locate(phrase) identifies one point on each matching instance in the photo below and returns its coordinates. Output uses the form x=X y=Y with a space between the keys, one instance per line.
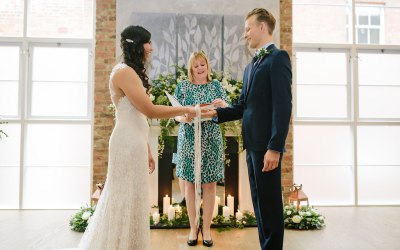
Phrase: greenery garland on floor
x=305 y=218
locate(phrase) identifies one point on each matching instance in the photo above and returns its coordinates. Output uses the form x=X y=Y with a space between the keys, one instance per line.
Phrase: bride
x=121 y=219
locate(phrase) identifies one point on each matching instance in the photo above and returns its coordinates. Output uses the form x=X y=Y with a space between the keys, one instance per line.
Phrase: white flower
x=86 y=215
x=152 y=97
x=296 y=219
x=308 y=213
x=301 y=213
x=289 y=212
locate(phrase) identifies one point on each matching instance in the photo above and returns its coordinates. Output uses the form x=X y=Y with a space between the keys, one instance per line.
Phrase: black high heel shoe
x=207 y=243
x=194 y=242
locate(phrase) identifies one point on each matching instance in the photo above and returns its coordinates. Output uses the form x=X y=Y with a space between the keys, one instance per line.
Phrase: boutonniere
x=262 y=53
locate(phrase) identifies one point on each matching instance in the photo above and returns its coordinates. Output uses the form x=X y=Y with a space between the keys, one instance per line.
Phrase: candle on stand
x=230 y=201
x=156 y=217
x=226 y=212
x=239 y=215
x=166 y=203
x=171 y=212
x=215 y=212
x=218 y=200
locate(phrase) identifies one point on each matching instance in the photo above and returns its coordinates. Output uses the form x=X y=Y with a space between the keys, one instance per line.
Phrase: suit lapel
x=252 y=70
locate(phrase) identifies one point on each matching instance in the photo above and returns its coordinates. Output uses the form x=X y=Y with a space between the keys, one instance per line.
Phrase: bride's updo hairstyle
x=132 y=40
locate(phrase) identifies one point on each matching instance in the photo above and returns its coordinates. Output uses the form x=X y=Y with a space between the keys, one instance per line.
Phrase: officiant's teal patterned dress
x=212 y=149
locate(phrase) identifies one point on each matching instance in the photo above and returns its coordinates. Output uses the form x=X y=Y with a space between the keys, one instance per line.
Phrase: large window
x=46 y=100
x=347 y=99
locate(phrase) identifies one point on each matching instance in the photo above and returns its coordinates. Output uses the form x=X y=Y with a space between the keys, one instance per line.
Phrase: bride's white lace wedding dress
x=121 y=218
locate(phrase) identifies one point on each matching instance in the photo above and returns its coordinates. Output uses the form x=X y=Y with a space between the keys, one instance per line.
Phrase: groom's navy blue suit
x=265 y=104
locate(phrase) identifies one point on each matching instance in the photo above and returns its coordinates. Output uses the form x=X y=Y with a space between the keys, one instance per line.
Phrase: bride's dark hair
x=132 y=40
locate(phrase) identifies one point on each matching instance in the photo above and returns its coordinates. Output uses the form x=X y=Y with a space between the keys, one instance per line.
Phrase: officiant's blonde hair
x=195 y=55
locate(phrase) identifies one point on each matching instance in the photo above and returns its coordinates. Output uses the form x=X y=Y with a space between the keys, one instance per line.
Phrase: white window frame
x=353 y=104
x=369 y=26
x=25 y=89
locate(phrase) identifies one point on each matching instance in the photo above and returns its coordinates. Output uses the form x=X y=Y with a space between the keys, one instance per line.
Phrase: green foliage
x=80 y=220
x=305 y=218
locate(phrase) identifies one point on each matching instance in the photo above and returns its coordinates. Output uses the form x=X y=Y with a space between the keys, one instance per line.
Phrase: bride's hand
x=191 y=111
x=152 y=164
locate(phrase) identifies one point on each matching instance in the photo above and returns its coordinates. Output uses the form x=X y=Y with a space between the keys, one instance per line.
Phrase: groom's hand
x=271 y=160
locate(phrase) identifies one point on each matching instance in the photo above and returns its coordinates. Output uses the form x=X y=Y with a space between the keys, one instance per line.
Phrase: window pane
x=362 y=35
x=324 y=145
x=375 y=20
x=326 y=185
x=321 y=68
x=363 y=20
x=59 y=99
x=378 y=145
x=60 y=64
x=10 y=146
x=379 y=69
x=321 y=101
x=60 y=89
x=58 y=145
x=56 y=187
x=9 y=63
x=11 y=18
x=60 y=18
x=8 y=98
x=310 y=21
x=9 y=187
x=379 y=102
x=374 y=36
x=378 y=185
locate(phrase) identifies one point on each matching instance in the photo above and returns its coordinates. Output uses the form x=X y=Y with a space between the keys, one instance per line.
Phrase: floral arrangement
x=219 y=222
x=169 y=82
x=81 y=219
x=261 y=53
x=305 y=218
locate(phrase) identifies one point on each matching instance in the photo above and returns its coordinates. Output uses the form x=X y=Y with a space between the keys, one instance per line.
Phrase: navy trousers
x=266 y=193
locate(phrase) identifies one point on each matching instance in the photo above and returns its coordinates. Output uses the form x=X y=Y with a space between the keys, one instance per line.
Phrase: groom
x=265 y=104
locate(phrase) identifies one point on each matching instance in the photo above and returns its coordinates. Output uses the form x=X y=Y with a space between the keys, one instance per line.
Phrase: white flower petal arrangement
x=303 y=219
x=81 y=219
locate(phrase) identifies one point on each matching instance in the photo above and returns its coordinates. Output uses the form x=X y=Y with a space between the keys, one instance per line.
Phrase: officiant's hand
x=219 y=103
x=152 y=164
x=271 y=160
x=208 y=113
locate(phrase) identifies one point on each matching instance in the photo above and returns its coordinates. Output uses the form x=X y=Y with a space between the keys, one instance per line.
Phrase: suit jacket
x=265 y=103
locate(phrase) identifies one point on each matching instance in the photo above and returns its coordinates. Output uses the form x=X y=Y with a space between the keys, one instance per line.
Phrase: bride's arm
x=129 y=82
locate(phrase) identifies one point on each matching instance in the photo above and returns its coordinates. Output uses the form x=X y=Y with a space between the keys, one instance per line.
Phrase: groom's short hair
x=263 y=15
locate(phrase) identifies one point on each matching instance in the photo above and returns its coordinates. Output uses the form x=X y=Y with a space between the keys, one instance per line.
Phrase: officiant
x=200 y=89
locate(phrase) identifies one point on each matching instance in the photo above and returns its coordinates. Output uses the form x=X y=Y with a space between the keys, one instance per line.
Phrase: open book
x=175 y=103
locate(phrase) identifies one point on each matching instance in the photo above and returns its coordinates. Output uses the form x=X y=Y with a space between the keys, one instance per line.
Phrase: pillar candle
x=166 y=204
x=239 y=215
x=226 y=212
x=172 y=201
x=218 y=200
x=156 y=217
x=171 y=213
x=231 y=203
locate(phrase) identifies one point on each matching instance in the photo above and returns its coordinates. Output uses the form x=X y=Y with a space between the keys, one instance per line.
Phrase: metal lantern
x=96 y=195
x=297 y=195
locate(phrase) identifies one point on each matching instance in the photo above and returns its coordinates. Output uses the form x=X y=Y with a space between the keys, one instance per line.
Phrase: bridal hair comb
x=129 y=40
